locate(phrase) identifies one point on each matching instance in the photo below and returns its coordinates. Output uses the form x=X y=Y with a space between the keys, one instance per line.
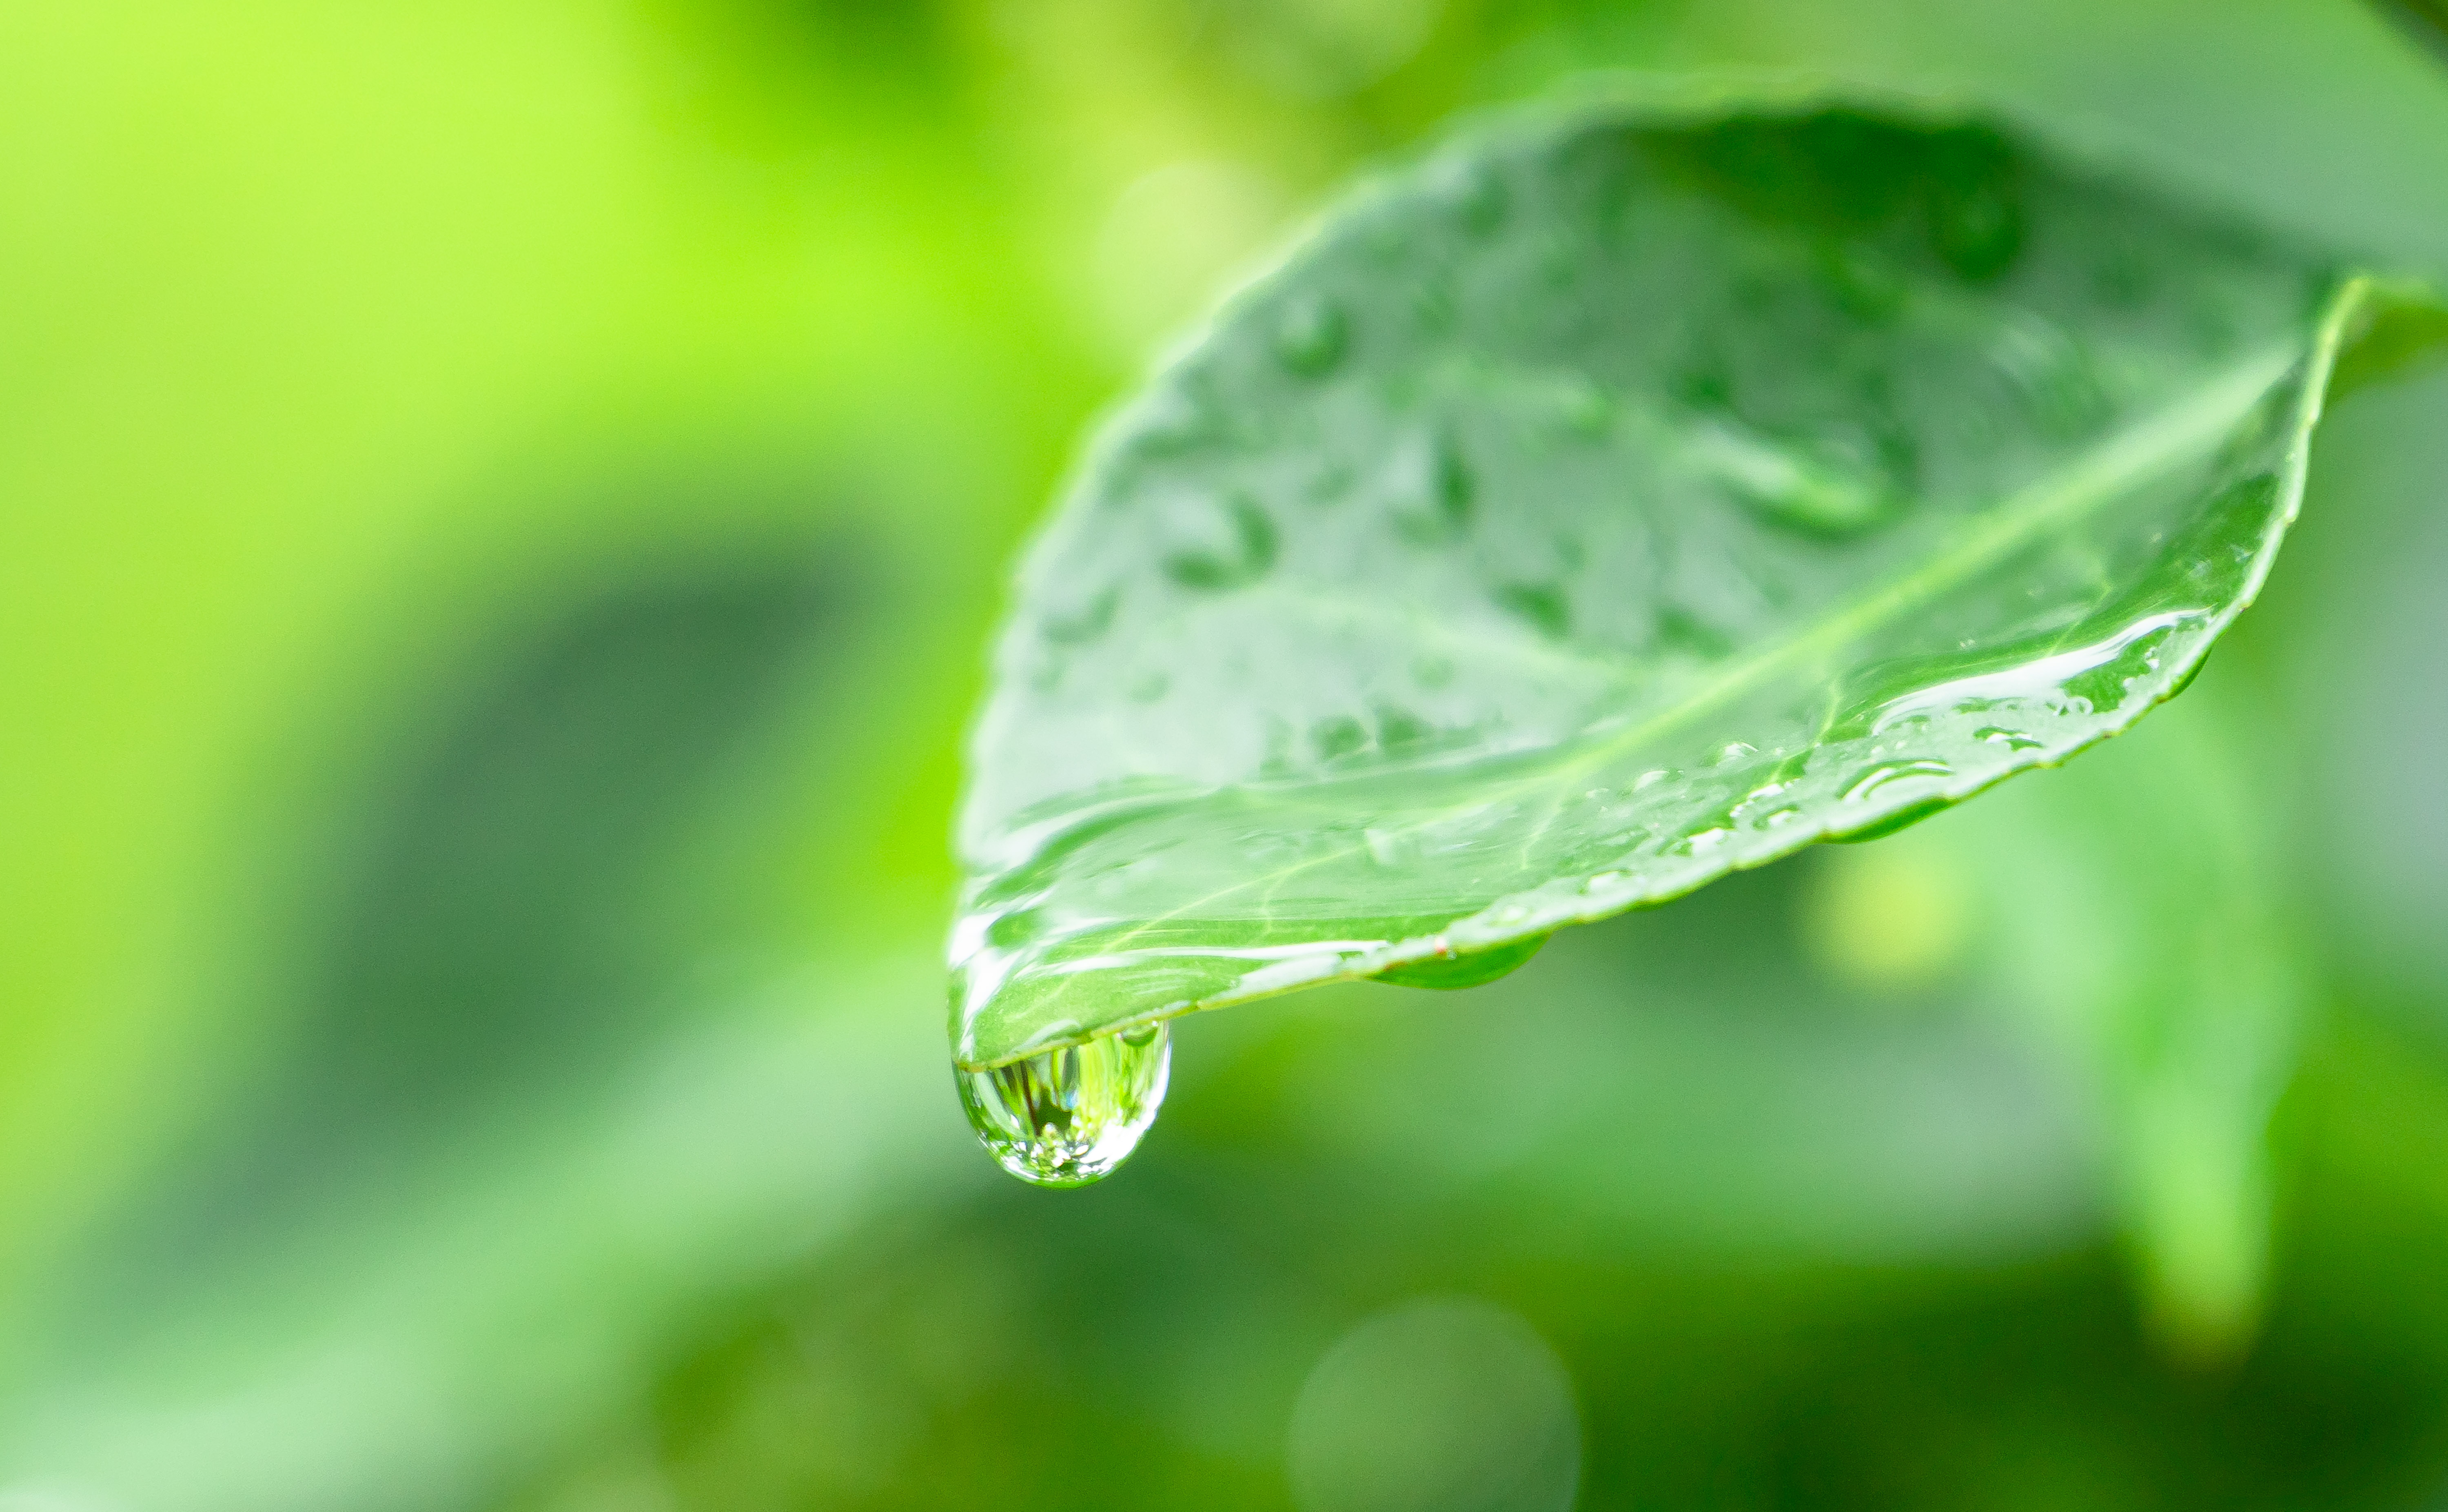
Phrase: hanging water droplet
x=1067 y=1117
x=1452 y=972
x=1311 y=335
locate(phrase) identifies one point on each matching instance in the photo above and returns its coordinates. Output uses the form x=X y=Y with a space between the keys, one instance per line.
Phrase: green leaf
x=1615 y=500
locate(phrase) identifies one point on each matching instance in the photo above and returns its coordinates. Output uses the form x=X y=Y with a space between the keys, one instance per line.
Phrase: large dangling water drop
x=1067 y=1117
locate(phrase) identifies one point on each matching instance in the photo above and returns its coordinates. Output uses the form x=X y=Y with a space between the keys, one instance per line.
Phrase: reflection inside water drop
x=1067 y=1117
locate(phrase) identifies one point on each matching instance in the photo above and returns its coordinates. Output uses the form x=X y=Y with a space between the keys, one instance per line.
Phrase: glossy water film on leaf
x=1617 y=499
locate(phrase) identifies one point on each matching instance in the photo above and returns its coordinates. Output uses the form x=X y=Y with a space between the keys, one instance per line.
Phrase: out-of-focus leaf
x=509 y=1298
x=1614 y=501
x=1651 y=1087
x=2358 y=641
x=1695 y=1080
x=512 y=1107
x=2127 y=910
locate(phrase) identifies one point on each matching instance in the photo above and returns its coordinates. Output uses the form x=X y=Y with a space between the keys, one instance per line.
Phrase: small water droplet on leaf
x=1398 y=727
x=1391 y=847
x=1250 y=555
x=1311 y=335
x=1337 y=737
x=1879 y=775
x=1542 y=605
x=1084 y=624
x=1433 y=490
x=1788 y=487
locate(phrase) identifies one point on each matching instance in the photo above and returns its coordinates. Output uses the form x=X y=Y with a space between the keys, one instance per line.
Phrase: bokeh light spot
x=1437 y=1406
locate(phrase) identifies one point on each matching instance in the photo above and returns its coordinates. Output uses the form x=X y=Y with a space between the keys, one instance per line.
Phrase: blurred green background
x=500 y=510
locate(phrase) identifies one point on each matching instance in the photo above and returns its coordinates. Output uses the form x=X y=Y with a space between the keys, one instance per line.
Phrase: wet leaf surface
x=1609 y=501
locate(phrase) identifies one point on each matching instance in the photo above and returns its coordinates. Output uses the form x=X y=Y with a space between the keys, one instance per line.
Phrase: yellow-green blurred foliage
x=500 y=509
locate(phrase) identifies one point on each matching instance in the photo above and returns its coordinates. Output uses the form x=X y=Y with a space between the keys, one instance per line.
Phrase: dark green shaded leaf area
x=2426 y=19
x=1612 y=501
